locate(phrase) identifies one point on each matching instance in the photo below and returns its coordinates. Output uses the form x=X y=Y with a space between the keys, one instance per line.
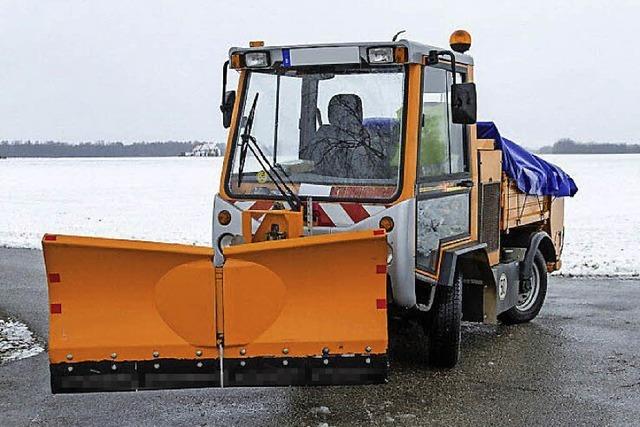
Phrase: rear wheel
x=444 y=331
x=531 y=295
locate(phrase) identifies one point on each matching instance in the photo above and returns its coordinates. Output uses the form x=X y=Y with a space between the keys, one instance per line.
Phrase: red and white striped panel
x=326 y=214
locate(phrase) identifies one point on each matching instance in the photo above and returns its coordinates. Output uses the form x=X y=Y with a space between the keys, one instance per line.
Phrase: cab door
x=443 y=181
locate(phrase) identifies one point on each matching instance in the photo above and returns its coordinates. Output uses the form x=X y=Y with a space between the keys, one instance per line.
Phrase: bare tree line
x=569 y=146
x=95 y=149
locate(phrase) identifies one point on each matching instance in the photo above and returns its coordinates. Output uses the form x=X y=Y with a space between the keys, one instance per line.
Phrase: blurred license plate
x=325 y=55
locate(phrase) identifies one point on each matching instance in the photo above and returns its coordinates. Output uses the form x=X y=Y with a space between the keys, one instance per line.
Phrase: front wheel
x=444 y=331
x=531 y=295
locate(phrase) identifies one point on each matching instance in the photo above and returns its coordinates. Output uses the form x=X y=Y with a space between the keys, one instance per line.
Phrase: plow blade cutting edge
x=130 y=315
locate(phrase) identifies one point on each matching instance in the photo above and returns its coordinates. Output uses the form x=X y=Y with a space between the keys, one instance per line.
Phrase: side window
x=442 y=147
x=457 y=146
x=433 y=156
x=439 y=219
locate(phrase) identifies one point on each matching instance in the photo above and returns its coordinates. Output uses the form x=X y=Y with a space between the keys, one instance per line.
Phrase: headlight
x=224 y=217
x=380 y=55
x=256 y=59
x=386 y=223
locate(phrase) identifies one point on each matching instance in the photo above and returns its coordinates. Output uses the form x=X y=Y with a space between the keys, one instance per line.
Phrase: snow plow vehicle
x=357 y=185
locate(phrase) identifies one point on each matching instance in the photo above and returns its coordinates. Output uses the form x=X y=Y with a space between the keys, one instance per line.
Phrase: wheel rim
x=527 y=299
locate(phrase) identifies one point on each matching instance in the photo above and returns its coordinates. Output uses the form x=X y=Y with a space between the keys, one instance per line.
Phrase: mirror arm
x=225 y=67
x=463 y=107
x=434 y=56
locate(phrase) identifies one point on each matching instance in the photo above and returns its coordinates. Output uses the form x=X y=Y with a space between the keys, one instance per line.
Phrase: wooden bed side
x=519 y=209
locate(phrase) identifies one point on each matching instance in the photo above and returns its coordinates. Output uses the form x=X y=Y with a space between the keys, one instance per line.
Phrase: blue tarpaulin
x=531 y=174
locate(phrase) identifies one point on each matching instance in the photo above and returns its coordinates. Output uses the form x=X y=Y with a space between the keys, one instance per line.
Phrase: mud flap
x=306 y=311
x=129 y=315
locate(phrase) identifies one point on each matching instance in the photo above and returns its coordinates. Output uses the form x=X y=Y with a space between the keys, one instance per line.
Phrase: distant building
x=206 y=150
x=222 y=147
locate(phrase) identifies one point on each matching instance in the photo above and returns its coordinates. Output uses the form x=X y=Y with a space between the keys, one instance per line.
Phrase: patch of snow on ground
x=171 y=200
x=16 y=341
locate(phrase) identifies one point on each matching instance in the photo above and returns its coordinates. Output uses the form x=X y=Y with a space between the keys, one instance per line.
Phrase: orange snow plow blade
x=129 y=315
x=310 y=310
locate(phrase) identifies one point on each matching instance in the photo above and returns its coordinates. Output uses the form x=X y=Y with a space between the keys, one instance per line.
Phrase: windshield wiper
x=246 y=137
x=248 y=142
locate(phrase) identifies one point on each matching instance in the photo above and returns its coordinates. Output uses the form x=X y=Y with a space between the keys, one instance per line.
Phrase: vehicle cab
x=358 y=136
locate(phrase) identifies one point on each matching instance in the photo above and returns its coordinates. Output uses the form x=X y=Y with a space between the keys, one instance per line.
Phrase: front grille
x=490 y=215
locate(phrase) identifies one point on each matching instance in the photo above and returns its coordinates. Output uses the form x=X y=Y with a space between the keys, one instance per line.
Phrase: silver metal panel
x=234 y=227
x=325 y=55
x=402 y=240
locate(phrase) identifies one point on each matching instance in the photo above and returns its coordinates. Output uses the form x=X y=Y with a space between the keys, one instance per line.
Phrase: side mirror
x=463 y=103
x=226 y=107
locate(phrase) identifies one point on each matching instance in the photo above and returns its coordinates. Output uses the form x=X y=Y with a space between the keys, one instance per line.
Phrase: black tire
x=443 y=332
x=527 y=309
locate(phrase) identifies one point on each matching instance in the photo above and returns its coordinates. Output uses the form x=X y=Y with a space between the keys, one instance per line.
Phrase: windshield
x=333 y=134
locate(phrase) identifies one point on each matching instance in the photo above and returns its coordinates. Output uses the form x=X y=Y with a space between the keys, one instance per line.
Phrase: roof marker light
x=460 y=41
x=400 y=55
x=236 y=61
x=286 y=58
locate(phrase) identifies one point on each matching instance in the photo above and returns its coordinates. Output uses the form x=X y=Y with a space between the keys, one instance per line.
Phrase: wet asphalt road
x=577 y=363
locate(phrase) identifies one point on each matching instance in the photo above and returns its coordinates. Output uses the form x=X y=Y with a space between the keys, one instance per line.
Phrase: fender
x=542 y=241
x=472 y=258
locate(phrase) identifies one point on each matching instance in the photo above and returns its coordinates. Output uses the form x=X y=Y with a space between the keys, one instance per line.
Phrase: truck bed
x=544 y=213
x=520 y=209
x=518 y=212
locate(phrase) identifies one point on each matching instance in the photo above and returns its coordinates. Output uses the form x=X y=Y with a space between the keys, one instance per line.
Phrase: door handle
x=466 y=183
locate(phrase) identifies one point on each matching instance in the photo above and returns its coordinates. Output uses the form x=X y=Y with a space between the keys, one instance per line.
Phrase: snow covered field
x=170 y=200
x=601 y=222
x=162 y=199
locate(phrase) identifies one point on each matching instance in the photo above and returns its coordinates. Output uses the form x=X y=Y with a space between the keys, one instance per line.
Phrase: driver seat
x=334 y=144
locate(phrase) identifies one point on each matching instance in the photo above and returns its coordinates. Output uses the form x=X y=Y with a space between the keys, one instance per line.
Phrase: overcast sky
x=150 y=70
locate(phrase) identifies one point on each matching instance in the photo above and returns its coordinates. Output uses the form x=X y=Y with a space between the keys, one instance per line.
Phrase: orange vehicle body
x=285 y=295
